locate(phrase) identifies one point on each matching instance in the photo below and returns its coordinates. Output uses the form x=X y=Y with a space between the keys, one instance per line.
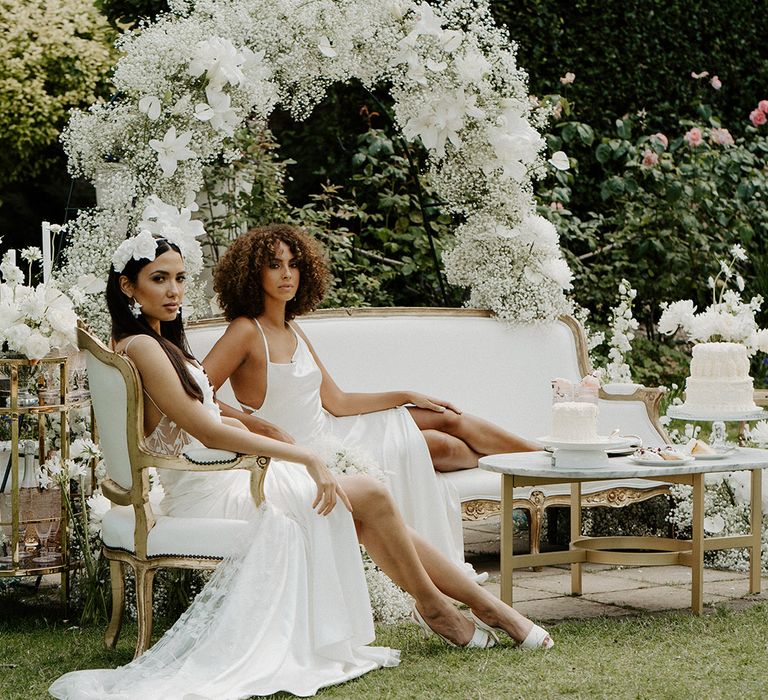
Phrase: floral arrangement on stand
x=727 y=319
x=186 y=83
x=33 y=319
x=726 y=497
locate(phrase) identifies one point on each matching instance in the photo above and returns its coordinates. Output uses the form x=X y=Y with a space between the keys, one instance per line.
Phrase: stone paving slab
x=653 y=599
x=520 y=593
x=567 y=608
x=670 y=575
x=597 y=582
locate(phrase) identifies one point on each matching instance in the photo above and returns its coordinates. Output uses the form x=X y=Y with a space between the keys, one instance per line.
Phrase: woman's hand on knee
x=432 y=404
x=328 y=488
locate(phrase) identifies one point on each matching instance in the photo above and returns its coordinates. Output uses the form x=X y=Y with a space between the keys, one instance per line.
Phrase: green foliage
x=639 y=54
x=55 y=55
x=659 y=215
x=379 y=244
x=128 y=13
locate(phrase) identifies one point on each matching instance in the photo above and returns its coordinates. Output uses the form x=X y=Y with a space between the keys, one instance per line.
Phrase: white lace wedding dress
x=427 y=502
x=287 y=610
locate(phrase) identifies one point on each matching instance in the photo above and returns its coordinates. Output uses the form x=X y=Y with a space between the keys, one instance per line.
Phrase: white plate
x=660 y=462
x=681 y=414
x=603 y=442
x=717 y=455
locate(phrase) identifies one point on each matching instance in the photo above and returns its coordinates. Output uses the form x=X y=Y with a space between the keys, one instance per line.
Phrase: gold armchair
x=133 y=532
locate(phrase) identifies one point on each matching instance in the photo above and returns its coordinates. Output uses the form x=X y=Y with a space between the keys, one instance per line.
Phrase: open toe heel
x=483 y=637
x=537 y=638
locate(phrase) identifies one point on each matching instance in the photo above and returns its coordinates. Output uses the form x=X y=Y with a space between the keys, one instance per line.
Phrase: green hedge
x=630 y=55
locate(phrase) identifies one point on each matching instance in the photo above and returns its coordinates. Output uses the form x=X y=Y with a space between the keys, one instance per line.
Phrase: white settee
x=486 y=367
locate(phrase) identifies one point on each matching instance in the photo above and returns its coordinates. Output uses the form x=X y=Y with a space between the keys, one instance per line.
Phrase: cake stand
x=718 y=420
x=583 y=455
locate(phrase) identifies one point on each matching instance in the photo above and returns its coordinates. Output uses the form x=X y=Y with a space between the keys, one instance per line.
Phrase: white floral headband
x=143 y=246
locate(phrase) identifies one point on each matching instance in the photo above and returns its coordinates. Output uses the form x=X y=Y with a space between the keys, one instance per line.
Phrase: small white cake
x=574 y=421
x=719 y=381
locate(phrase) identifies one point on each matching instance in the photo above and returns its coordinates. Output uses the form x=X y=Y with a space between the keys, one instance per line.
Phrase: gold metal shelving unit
x=30 y=505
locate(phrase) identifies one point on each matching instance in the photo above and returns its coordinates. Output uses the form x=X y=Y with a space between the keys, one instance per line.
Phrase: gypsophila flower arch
x=186 y=82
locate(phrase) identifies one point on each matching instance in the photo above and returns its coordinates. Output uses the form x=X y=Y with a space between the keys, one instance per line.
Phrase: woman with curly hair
x=266 y=278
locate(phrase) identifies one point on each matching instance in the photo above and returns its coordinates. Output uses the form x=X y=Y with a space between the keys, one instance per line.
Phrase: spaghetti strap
x=263 y=337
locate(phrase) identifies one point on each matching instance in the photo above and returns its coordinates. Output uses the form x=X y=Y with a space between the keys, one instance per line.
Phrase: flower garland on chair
x=188 y=81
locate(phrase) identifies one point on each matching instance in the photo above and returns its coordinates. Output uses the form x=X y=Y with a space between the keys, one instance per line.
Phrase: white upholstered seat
x=134 y=531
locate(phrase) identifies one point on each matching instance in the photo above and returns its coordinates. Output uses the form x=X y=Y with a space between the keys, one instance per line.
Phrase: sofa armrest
x=650 y=397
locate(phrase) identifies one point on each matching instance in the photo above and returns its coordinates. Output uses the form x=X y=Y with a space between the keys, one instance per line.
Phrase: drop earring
x=135 y=308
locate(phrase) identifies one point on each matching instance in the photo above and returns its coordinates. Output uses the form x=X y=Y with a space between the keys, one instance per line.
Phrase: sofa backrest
x=486 y=367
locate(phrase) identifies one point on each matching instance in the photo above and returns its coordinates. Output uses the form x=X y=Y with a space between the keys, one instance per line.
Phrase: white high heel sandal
x=537 y=638
x=483 y=638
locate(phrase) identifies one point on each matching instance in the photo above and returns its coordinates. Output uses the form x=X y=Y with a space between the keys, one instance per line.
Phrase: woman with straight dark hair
x=288 y=610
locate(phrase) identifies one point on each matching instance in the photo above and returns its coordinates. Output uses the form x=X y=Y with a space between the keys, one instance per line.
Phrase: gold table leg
x=507 y=536
x=755 y=523
x=697 y=545
x=575 y=534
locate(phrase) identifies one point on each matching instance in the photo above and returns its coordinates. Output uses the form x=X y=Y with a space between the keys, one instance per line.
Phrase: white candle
x=47 y=262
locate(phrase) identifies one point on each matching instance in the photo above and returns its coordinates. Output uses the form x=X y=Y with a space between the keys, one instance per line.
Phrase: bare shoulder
x=241 y=327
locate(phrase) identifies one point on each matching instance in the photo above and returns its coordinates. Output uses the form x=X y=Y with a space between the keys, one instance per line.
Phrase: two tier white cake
x=719 y=381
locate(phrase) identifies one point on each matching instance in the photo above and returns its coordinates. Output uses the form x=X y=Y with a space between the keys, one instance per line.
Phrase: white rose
x=62 y=319
x=35 y=346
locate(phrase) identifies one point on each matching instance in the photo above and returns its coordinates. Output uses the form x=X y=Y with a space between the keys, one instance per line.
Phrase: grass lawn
x=722 y=654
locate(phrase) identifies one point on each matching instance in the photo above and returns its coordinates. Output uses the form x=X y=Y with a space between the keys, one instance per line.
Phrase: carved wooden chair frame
x=141 y=459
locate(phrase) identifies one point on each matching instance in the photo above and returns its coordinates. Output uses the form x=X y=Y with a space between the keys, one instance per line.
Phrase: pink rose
x=590 y=382
x=763 y=106
x=699 y=76
x=556 y=205
x=721 y=137
x=693 y=137
x=662 y=139
x=757 y=117
x=568 y=78
x=649 y=158
x=715 y=82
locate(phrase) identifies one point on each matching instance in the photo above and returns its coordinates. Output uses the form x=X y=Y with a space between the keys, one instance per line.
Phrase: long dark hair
x=172 y=338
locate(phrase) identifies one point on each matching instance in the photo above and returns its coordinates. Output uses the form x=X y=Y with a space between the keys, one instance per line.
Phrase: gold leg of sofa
x=117 y=584
x=145 y=577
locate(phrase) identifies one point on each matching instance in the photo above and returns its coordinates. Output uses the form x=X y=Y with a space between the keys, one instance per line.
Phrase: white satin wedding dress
x=428 y=503
x=287 y=610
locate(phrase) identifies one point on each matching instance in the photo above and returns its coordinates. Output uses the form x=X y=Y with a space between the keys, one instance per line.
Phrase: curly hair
x=237 y=277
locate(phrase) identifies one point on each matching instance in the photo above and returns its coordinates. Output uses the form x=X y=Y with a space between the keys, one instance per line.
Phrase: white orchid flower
x=172 y=149
x=325 y=48
x=560 y=160
x=220 y=61
x=218 y=112
x=150 y=105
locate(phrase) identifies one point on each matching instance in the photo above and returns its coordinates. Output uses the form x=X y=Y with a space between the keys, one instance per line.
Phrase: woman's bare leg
x=449 y=453
x=380 y=528
x=421 y=570
x=454 y=582
x=481 y=436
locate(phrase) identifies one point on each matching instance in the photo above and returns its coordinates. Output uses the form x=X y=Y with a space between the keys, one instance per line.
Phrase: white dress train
x=287 y=610
x=429 y=504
